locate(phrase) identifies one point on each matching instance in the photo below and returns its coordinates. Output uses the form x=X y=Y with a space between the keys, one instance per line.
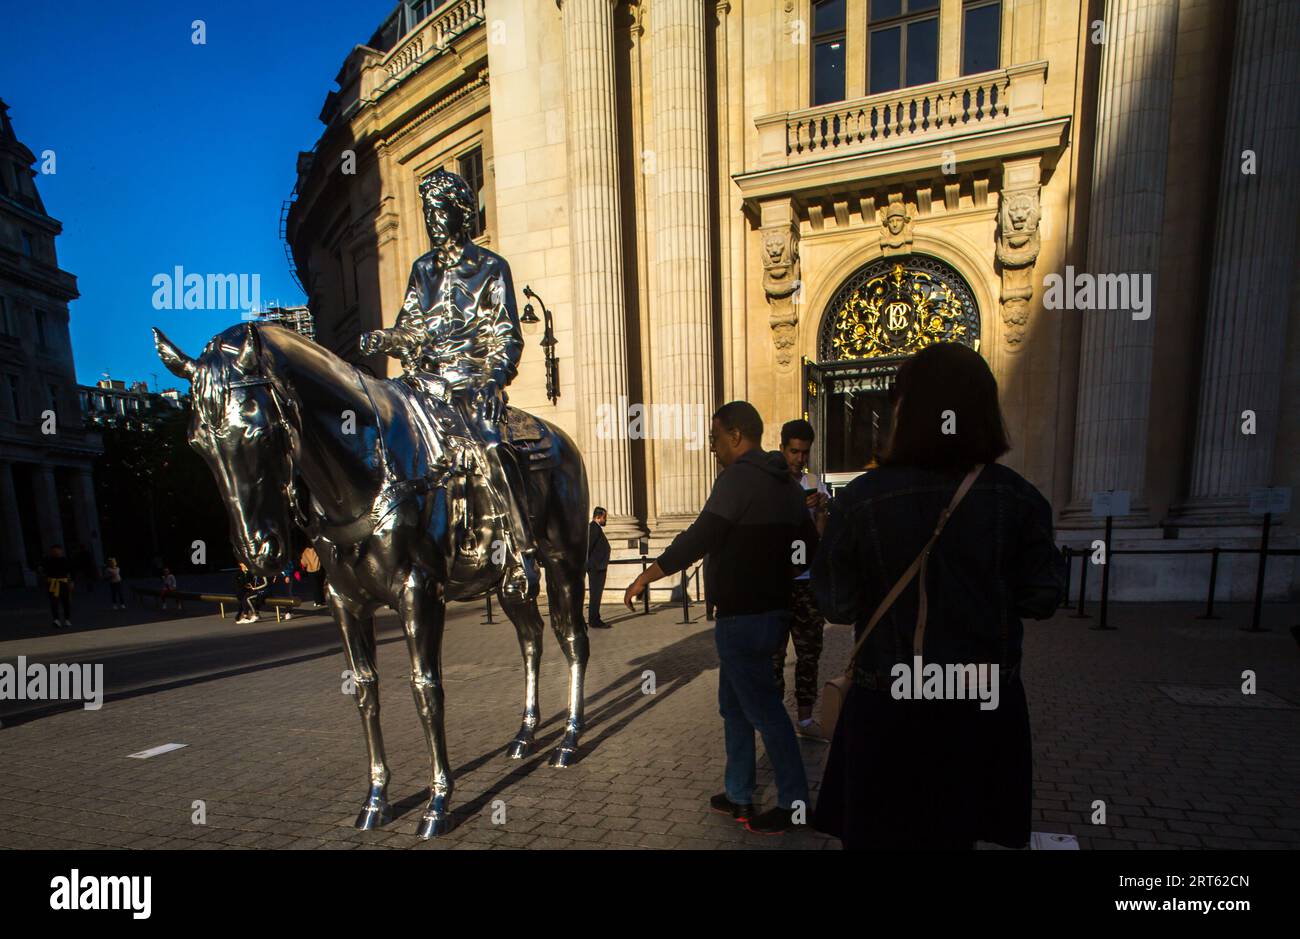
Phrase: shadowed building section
x=780 y=200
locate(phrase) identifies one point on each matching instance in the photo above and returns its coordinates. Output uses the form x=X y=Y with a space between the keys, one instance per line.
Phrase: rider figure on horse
x=459 y=341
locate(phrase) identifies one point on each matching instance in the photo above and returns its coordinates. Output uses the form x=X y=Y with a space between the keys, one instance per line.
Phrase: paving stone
x=279 y=759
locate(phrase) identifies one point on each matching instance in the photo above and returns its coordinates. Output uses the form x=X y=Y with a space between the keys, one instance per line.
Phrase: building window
x=15 y=397
x=40 y=328
x=29 y=248
x=417 y=11
x=470 y=166
x=981 y=36
x=828 y=51
x=903 y=44
x=6 y=326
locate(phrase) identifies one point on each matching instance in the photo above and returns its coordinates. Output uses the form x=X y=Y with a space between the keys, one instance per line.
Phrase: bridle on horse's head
x=300 y=518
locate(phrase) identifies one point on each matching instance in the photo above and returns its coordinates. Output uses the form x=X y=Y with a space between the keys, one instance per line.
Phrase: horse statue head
x=238 y=428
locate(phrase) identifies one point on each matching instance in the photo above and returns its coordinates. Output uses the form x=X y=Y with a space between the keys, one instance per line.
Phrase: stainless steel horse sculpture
x=401 y=513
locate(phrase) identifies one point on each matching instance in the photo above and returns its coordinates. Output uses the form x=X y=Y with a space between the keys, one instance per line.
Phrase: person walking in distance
x=250 y=588
x=58 y=584
x=168 y=589
x=113 y=574
x=597 y=567
x=750 y=528
x=806 y=624
x=309 y=560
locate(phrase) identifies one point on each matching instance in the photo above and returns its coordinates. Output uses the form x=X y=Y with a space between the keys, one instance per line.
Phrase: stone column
x=48 y=517
x=683 y=338
x=83 y=495
x=1252 y=276
x=1127 y=212
x=596 y=249
x=14 y=550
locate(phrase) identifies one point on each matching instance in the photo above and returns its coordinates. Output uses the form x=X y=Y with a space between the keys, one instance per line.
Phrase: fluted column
x=1133 y=102
x=48 y=516
x=596 y=249
x=1254 y=268
x=11 y=532
x=683 y=337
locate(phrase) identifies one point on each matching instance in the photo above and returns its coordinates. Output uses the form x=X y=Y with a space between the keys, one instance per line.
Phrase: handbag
x=836 y=689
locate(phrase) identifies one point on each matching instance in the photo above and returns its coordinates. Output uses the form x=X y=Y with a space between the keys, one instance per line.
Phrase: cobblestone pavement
x=1148 y=719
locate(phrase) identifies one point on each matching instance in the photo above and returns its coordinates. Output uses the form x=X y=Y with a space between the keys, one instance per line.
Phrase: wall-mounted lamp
x=549 y=342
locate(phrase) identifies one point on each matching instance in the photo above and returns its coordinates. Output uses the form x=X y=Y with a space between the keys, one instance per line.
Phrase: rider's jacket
x=460 y=324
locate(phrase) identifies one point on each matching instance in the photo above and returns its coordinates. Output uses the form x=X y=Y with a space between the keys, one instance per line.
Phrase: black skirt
x=928 y=774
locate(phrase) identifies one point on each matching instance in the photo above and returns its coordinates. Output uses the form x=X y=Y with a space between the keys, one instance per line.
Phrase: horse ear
x=177 y=362
x=248 y=355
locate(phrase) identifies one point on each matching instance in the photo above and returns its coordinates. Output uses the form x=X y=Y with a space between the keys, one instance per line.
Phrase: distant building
x=46 y=452
x=297 y=318
x=111 y=403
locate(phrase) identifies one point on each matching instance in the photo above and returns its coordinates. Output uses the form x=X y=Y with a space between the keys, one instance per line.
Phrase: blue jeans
x=749 y=700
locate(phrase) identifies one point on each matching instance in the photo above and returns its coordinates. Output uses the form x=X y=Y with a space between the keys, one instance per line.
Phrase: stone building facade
x=47 y=495
x=778 y=200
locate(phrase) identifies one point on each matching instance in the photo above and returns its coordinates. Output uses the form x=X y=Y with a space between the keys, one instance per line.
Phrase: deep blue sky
x=168 y=152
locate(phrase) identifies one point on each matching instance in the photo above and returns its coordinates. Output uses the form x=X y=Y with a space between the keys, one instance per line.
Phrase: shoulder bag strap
x=918 y=566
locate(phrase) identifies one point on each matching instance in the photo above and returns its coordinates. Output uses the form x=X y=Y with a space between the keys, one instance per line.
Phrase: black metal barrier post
x=488 y=619
x=686 y=599
x=1214 y=579
x=645 y=594
x=1083 y=585
x=1259 y=577
x=1105 y=578
x=1069 y=571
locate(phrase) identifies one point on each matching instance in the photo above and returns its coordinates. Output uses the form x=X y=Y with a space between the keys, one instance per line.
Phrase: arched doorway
x=882 y=313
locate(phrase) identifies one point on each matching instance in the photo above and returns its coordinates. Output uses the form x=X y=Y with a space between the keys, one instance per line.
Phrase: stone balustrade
x=939 y=110
x=432 y=37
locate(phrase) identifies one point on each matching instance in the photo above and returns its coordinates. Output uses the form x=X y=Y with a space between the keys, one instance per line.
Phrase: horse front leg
x=423 y=611
x=564 y=584
x=528 y=626
x=359 y=648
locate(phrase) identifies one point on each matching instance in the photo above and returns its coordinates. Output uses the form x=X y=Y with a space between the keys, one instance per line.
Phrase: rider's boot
x=522 y=579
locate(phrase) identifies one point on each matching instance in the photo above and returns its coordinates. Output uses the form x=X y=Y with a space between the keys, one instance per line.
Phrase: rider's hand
x=374 y=341
x=490 y=401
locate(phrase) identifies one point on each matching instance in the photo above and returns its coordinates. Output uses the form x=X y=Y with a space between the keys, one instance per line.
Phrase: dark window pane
x=923 y=51
x=881 y=9
x=980 y=39
x=883 y=61
x=828 y=72
x=916 y=6
x=828 y=16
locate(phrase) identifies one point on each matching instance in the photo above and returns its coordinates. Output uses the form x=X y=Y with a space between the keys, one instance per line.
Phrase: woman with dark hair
x=935 y=556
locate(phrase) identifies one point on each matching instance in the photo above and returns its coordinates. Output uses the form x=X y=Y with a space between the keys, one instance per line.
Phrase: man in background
x=597 y=567
x=806 y=624
x=752 y=527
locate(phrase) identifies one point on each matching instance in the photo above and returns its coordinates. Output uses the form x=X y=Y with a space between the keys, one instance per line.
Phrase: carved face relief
x=1020 y=217
x=897 y=235
x=774 y=248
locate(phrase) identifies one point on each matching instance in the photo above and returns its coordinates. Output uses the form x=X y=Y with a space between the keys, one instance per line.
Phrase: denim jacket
x=995 y=562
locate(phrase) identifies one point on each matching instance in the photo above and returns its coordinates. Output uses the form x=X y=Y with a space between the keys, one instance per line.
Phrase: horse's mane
x=210 y=386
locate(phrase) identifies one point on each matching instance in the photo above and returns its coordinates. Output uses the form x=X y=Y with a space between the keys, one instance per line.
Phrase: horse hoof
x=373 y=815
x=562 y=757
x=518 y=749
x=431 y=826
